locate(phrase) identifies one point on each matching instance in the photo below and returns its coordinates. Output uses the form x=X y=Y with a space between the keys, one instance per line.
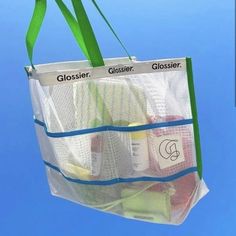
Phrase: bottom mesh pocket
x=156 y=202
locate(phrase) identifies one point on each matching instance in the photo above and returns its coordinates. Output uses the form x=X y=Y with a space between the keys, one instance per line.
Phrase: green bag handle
x=88 y=36
x=74 y=26
x=84 y=30
x=80 y=28
x=34 y=27
x=71 y=21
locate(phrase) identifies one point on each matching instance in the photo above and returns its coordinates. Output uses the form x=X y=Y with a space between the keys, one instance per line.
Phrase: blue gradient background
x=151 y=29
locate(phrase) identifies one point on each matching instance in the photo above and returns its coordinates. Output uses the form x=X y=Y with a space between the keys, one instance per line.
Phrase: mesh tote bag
x=117 y=135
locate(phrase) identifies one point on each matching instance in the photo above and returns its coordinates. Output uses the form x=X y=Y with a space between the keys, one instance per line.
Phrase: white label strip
x=67 y=76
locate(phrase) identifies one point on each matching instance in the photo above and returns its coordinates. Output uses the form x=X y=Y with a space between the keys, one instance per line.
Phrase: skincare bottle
x=139 y=149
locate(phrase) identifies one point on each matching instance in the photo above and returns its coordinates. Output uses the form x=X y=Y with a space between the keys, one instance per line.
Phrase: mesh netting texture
x=122 y=144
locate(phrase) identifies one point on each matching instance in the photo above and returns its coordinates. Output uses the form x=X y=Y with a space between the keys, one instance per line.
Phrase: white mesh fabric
x=119 y=101
x=127 y=99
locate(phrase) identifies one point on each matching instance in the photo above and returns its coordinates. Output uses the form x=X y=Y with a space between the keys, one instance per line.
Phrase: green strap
x=76 y=29
x=34 y=27
x=111 y=28
x=81 y=29
x=88 y=34
x=74 y=26
x=195 y=116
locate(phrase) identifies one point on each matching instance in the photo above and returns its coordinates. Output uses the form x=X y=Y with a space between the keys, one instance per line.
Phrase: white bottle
x=139 y=149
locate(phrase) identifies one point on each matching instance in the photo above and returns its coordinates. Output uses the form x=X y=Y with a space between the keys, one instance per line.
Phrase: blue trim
x=38 y=122
x=124 y=180
x=113 y=128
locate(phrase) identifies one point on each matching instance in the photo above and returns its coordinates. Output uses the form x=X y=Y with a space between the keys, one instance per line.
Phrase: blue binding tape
x=113 y=128
x=124 y=180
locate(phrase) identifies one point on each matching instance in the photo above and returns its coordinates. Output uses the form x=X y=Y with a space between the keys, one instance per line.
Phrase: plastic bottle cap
x=139 y=134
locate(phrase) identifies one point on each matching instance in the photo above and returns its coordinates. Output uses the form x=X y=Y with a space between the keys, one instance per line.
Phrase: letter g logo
x=168 y=149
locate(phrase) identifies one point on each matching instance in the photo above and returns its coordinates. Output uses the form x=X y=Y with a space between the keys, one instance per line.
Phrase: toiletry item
x=147 y=205
x=76 y=171
x=139 y=149
x=96 y=154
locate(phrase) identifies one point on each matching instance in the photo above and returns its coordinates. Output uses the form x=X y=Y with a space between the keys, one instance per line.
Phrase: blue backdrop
x=150 y=29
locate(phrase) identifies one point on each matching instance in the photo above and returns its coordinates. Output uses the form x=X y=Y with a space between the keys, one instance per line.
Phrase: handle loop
x=74 y=26
x=35 y=26
x=80 y=27
x=88 y=34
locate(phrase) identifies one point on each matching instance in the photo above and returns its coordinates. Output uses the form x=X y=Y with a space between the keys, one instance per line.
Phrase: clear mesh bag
x=122 y=138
